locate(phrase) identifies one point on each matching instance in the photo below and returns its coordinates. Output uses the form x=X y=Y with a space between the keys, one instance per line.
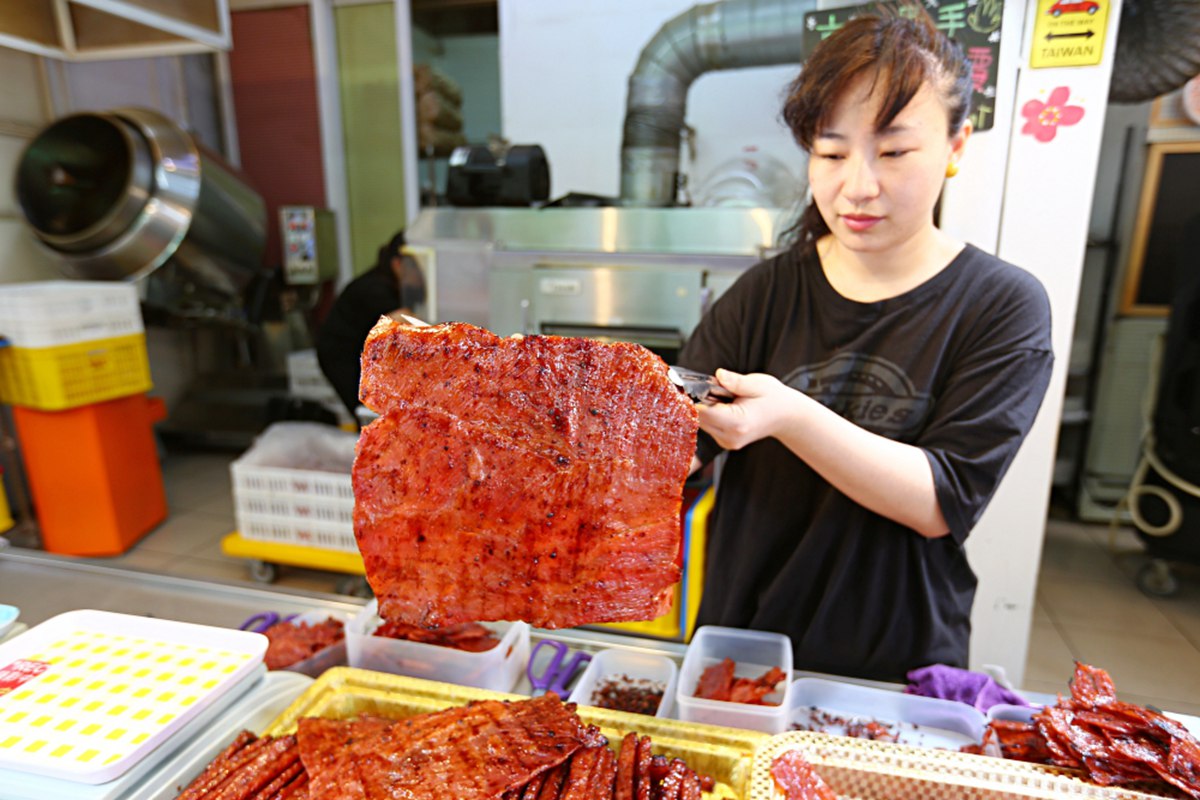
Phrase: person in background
x=394 y=286
x=885 y=375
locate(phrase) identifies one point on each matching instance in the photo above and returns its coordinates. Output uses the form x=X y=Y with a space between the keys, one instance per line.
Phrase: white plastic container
x=497 y=669
x=641 y=670
x=755 y=652
x=915 y=720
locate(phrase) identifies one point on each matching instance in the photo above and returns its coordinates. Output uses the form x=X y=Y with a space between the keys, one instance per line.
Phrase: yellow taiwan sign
x=1069 y=33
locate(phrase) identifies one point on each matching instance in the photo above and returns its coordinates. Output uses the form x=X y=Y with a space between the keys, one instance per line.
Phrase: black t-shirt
x=356 y=310
x=956 y=366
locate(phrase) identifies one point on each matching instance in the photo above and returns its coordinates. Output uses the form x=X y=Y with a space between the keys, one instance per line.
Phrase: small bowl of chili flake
x=620 y=680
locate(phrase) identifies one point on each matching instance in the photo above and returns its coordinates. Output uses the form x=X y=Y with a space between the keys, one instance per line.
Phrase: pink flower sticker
x=1042 y=119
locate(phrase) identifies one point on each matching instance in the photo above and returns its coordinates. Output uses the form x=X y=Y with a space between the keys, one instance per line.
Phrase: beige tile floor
x=1088 y=607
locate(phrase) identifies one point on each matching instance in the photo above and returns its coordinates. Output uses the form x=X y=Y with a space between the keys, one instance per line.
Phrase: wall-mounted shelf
x=88 y=30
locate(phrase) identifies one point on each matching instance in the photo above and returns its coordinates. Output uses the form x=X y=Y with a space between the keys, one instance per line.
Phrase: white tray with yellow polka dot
x=87 y=695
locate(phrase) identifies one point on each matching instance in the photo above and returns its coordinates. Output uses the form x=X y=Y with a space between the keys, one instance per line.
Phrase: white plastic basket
x=306 y=381
x=298 y=505
x=53 y=313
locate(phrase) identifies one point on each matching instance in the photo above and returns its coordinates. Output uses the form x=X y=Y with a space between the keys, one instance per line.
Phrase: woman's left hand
x=762 y=405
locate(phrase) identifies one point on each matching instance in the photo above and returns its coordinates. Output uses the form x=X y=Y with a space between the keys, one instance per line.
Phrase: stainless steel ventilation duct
x=116 y=195
x=712 y=36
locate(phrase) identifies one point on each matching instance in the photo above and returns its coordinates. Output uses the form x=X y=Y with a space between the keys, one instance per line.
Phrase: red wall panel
x=274 y=81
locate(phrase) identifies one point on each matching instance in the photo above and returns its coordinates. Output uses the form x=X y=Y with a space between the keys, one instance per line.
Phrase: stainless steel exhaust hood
x=713 y=36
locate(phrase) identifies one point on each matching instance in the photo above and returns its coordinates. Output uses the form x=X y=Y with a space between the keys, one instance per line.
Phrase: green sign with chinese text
x=974 y=24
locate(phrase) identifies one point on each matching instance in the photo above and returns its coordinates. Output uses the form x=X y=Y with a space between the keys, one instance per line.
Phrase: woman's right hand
x=761 y=408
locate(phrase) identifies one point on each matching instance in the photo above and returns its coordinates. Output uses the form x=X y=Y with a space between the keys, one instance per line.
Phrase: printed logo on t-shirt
x=867 y=390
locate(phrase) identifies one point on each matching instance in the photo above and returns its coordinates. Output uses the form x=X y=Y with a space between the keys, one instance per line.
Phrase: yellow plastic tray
x=680 y=622
x=344 y=692
x=294 y=555
x=72 y=375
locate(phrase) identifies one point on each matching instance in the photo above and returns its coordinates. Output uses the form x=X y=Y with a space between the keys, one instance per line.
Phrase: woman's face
x=876 y=189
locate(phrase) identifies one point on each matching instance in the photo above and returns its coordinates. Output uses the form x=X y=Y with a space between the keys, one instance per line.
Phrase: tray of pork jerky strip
x=432 y=739
x=876 y=770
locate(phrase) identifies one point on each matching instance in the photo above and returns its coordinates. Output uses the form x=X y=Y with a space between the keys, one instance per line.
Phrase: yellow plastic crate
x=72 y=375
x=680 y=622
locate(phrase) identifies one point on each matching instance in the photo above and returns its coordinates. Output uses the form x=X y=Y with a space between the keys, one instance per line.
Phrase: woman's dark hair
x=389 y=251
x=900 y=49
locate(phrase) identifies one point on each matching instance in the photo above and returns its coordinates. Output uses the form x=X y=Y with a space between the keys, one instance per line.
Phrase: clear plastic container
x=332 y=656
x=641 y=669
x=497 y=669
x=755 y=652
x=912 y=719
x=1012 y=713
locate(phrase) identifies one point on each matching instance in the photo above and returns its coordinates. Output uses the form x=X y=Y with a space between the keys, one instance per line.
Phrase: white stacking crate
x=306 y=381
x=53 y=313
x=293 y=487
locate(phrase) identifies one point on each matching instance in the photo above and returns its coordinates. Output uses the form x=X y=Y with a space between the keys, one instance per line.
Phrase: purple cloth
x=952 y=683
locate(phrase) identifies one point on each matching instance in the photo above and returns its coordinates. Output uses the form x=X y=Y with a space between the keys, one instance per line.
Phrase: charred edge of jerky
x=194 y=789
x=626 y=768
x=231 y=767
x=296 y=790
x=606 y=774
x=642 y=783
x=259 y=771
x=285 y=777
x=577 y=782
x=554 y=782
x=531 y=790
x=672 y=782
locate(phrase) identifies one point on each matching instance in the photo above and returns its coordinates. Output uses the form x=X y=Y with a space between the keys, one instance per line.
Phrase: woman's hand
x=761 y=409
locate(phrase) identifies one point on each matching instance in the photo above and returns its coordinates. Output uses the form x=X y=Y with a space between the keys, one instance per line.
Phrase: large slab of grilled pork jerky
x=536 y=478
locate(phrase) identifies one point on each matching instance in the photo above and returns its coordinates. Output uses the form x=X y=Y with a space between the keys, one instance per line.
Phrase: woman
x=885 y=375
x=393 y=286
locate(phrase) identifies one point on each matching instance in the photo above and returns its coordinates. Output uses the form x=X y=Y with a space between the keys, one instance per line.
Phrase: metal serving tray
x=344 y=692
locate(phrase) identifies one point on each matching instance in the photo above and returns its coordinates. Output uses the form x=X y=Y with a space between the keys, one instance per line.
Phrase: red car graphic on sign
x=1073 y=7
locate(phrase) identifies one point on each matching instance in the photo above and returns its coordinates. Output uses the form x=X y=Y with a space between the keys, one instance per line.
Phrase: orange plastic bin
x=94 y=474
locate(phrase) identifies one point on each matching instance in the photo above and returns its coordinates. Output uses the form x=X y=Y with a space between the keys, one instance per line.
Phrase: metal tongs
x=413 y=321
x=698 y=386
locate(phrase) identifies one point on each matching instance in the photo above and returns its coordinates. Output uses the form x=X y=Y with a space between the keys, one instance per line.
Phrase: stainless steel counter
x=43 y=585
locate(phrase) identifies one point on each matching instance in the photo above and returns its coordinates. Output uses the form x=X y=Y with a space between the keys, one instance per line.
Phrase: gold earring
x=951 y=169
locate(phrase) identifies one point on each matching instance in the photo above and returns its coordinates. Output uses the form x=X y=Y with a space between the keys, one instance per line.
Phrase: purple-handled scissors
x=260 y=622
x=556 y=677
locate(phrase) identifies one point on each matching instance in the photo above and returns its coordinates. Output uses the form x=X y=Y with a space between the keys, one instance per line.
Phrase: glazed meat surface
x=797 y=780
x=292 y=642
x=536 y=478
x=475 y=751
